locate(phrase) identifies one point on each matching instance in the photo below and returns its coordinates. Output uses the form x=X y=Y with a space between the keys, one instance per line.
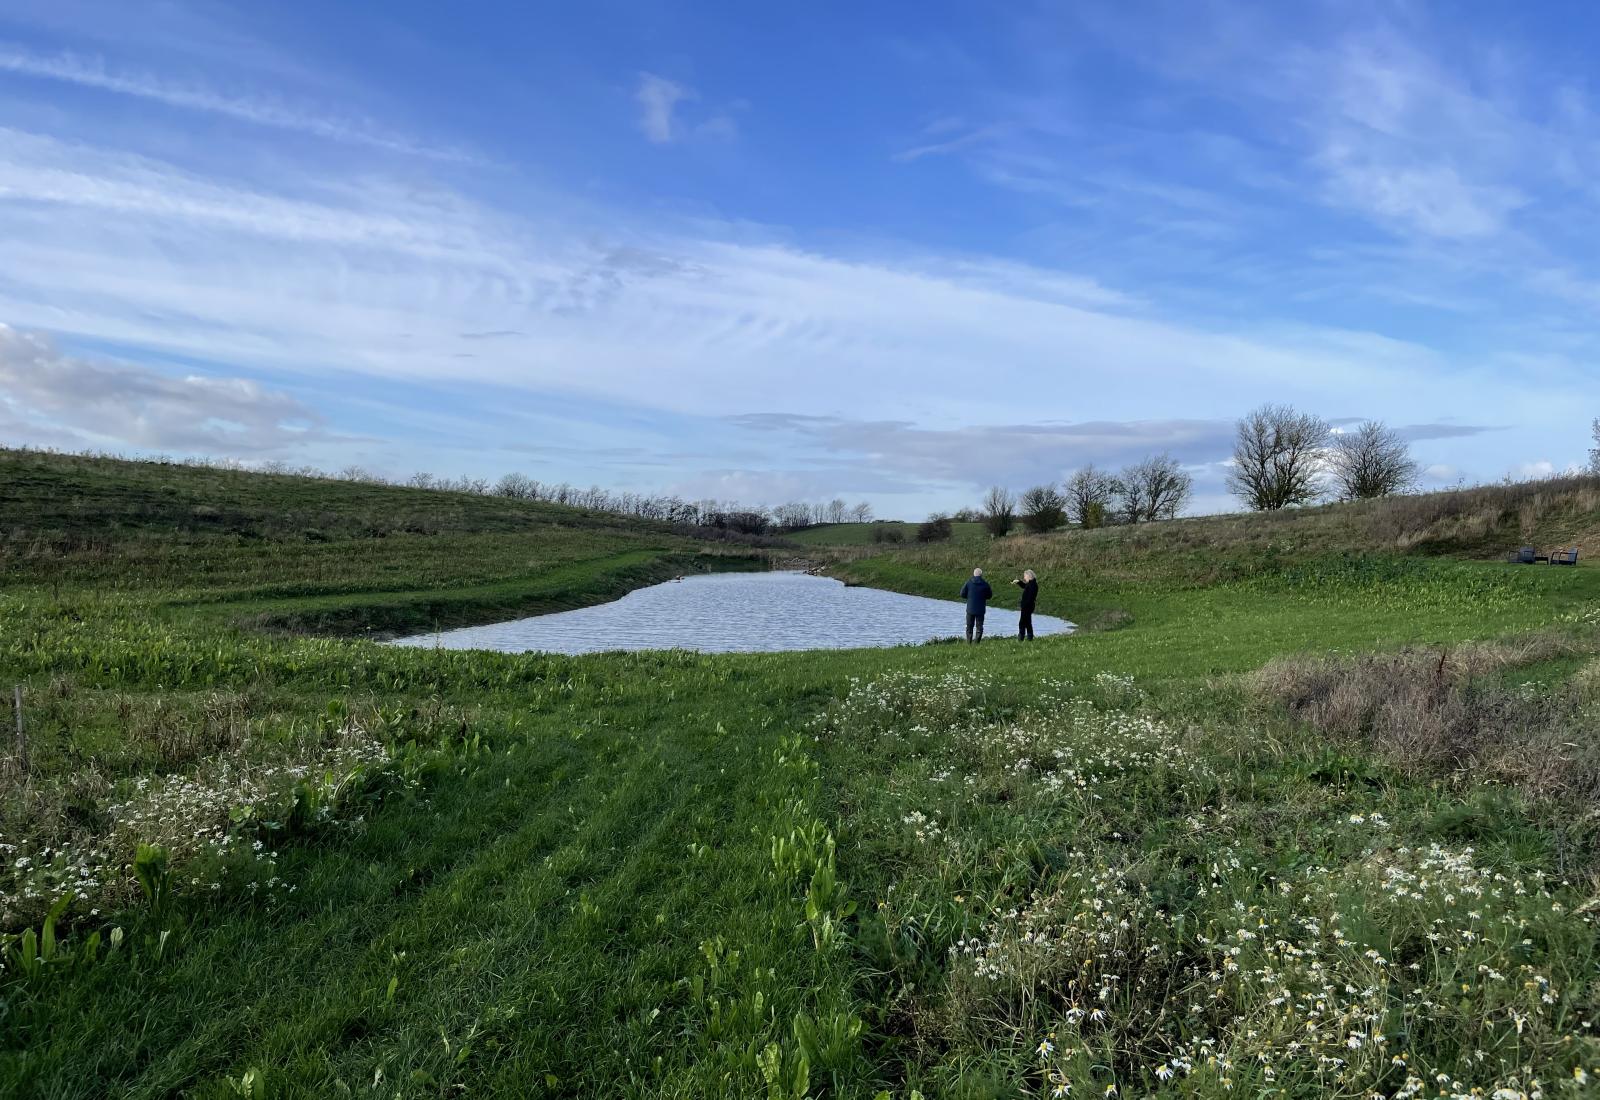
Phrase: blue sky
x=894 y=252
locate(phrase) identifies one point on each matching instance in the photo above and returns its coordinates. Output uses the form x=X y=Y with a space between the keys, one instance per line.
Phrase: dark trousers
x=974 y=622
x=1025 y=624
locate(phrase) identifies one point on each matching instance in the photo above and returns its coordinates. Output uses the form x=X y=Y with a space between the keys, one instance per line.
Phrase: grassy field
x=1230 y=840
x=872 y=534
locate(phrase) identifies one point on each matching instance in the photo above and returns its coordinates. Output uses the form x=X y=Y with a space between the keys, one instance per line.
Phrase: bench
x=1525 y=556
x=1565 y=557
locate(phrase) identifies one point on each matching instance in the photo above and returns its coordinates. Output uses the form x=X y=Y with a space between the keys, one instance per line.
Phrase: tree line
x=722 y=515
x=1281 y=458
x=1155 y=488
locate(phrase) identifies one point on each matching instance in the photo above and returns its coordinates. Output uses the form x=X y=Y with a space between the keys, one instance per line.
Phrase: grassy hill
x=321 y=554
x=871 y=534
x=1310 y=810
x=75 y=497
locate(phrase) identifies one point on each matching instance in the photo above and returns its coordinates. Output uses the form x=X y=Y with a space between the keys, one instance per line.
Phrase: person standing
x=1030 y=596
x=977 y=593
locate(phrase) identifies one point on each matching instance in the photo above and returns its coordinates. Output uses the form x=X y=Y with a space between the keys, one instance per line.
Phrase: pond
x=739 y=613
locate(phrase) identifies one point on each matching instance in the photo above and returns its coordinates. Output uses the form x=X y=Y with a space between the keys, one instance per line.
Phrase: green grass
x=682 y=875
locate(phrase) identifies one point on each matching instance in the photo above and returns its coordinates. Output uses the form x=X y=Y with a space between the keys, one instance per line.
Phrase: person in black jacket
x=1030 y=596
x=976 y=592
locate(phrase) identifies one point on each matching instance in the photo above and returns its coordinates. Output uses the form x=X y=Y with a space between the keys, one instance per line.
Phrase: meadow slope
x=1233 y=839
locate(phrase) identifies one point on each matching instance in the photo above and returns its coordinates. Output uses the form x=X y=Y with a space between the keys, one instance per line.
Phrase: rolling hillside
x=1308 y=809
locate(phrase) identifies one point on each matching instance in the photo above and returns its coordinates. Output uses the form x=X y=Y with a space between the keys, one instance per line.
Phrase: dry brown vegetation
x=1459 y=712
x=1561 y=511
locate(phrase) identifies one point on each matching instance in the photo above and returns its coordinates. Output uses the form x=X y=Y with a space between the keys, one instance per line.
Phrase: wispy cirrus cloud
x=364 y=279
x=977 y=455
x=951 y=135
x=255 y=108
x=1408 y=142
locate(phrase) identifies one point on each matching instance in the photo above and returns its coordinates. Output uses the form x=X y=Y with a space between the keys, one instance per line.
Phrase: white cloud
x=259 y=110
x=51 y=398
x=658 y=100
x=365 y=281
x=1431 y=198
x=661 y=120
x=119 y=188
x=361 y=277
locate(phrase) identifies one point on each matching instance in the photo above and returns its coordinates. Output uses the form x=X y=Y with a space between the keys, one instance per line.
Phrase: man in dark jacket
x=1030 y=596
x=976 y=592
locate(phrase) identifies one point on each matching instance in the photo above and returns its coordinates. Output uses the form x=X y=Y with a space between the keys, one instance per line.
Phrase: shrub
x=1089 y=495
x=1043 y=509
x=935 y=528
x=999 y=511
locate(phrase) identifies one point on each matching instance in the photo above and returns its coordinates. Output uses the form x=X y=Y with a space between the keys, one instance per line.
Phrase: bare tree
x=1156 y=488
x=999 y=511
x=861 y=513
x=1370 y=461
x=1594 y=452
x=420 y=480
x=1042 y=508
x=1089 y=496
x=1277 y=454
x=837 y=512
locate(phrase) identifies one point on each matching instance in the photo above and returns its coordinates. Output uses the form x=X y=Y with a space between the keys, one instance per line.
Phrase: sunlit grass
x=786 y=875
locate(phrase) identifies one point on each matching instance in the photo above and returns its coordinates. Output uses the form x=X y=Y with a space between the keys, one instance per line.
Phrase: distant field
x=1228 y=841
x=862 y=534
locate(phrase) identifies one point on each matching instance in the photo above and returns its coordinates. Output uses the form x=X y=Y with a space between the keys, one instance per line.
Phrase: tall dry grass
x=1453 y=712
x=1561 y=509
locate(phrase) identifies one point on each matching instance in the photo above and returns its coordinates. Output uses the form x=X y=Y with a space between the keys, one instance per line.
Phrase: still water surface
x=739 y=613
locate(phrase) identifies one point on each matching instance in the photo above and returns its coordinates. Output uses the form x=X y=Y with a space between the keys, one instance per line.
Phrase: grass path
x=541 y=915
